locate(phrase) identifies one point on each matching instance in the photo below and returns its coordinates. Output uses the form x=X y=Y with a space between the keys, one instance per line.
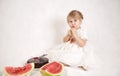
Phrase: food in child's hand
x=72 y=40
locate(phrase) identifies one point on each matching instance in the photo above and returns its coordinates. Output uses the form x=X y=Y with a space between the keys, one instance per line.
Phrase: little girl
x=71 y=52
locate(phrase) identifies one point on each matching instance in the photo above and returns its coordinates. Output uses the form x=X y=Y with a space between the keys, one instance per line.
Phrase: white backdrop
x=28 y=27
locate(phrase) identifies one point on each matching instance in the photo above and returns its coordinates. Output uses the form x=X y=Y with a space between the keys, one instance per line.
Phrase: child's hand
x=70 y=33
x=68 y=36
x=73 y=31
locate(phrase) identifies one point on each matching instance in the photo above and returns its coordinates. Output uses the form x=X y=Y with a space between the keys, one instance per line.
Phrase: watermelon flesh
x=52 y=69
x=19 y=71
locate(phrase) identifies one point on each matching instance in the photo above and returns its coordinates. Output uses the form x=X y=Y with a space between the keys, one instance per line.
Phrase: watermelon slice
x=19 y=71
x=52 y=69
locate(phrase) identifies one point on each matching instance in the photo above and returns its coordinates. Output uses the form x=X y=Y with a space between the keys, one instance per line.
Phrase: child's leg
x=83 y=68
x=65 y=64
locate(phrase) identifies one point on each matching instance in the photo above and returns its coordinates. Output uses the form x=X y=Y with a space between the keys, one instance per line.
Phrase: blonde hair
x=75 y=14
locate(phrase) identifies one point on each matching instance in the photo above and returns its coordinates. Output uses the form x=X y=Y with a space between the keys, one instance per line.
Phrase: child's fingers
x=70 y=32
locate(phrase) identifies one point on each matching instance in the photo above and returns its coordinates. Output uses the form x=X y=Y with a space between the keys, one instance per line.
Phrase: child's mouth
x=73 y=26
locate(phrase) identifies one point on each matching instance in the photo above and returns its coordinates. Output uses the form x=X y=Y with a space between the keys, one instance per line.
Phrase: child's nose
x=73 y=23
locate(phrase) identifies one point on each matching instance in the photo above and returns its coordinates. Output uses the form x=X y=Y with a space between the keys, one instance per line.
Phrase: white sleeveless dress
x=71 y=53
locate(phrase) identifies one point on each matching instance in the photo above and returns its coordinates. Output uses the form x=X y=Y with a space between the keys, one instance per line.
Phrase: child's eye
x=70 y=21
x=75 y=20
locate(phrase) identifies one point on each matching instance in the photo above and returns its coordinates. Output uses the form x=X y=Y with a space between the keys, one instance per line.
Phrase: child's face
x=74 y=23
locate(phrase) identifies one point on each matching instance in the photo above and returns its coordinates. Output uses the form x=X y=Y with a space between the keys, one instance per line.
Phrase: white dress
x=71 y=53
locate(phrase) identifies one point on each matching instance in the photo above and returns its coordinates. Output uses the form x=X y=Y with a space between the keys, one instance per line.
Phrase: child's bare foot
x=83 y=68
x=65 y=64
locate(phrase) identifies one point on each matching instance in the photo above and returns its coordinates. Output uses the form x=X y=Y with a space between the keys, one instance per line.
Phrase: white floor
x=73 y=72
x=106 y=69
x=78 y=72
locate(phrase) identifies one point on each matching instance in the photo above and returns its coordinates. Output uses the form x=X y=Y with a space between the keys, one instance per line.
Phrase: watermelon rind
x=47 y=73
x=24 y=74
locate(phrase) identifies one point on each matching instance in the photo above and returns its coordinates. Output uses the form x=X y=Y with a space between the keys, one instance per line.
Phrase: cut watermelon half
x=52 y=69
x=19 y=71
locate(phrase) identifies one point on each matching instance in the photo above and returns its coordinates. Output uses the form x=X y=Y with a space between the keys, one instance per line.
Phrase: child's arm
x=67 y=37
x=81 y=42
